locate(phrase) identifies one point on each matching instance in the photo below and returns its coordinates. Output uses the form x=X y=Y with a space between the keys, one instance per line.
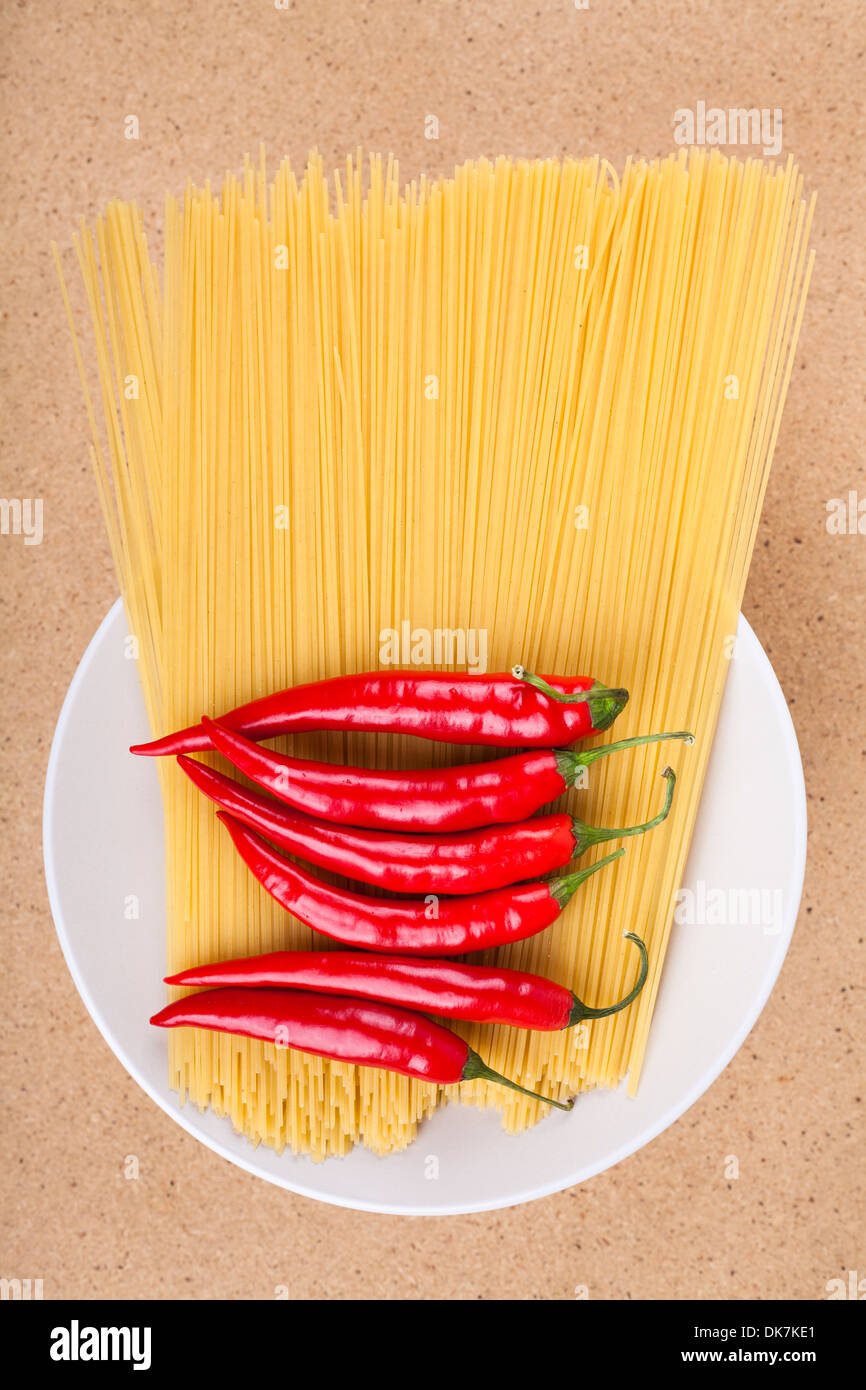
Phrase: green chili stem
x=581 y=1011
x=569 y=762
x=586 y=835
x=605 y=703
x=478 y=1070
x=562 y=888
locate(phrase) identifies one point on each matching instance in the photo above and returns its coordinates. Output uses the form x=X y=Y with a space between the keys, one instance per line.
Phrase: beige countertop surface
x=209 y=81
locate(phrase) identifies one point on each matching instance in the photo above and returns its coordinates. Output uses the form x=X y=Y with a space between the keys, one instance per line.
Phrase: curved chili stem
x=569 y=762
x=586 y=835
x=478 y=1070
x=562 y=887
x=605 y=703
x=581 y=1011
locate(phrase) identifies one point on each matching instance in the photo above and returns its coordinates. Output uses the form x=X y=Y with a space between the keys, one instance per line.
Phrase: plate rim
x=176 y=1112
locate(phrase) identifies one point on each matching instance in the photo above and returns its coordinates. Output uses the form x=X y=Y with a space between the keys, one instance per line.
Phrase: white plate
x=103 y=843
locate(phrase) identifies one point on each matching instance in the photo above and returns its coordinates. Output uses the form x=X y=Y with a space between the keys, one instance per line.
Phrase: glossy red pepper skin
x=409 y=926
x=471 y=861
x=436 y=799
x=453 y=989
x=477 y=993
x=346 y=1030
x=449 y=799
x=368 y=1034
x=497 y=710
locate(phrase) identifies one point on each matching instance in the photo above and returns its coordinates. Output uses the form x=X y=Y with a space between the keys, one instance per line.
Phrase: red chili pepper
x=451 y=798
x=410 y=926
x=505 y=710
x=470 y=861
x=452 y=989
x=369 y=1035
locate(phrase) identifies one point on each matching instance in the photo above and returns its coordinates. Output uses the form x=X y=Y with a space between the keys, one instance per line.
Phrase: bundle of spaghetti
x=534 y=401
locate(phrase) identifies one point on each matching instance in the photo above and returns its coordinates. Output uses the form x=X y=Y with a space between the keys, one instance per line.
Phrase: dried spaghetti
x=531 y=401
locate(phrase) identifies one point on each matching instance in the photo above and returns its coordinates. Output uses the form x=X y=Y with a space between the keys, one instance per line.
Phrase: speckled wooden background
x=208 y=80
